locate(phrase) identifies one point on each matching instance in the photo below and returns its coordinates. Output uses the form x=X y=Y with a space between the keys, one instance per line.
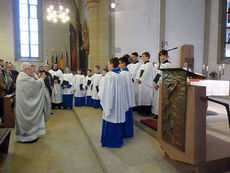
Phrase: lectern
x=182 y=126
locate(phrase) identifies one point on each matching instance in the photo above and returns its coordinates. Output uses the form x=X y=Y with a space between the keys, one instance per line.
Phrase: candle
x=207 y=68
x=219 y=68
x=223 y=66
x=203 y=67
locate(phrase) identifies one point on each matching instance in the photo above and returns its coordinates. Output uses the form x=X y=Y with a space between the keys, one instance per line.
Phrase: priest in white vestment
x=30 y=105
x=88 y=88
x=158 y=79
x=67 y=98
x=145 y=78
x=114 y=104
x=128 y=125
x=57 y=76
x=95 y=87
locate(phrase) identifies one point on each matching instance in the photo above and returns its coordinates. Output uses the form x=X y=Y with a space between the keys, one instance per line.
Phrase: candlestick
x=203 y=67
x=223 y=66
x=219 y=68
x=207 y=68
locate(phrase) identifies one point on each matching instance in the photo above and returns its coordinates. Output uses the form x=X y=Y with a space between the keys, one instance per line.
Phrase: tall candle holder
x=221 y=71
x=205 y=71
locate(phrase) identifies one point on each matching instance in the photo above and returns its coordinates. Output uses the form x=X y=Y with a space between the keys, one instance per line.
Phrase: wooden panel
x=9 y=114
x=195 y=128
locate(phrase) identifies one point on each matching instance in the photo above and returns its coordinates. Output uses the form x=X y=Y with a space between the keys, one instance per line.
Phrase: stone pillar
x=99 y=32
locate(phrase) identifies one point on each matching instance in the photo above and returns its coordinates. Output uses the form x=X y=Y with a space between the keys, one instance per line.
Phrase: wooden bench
x=4 y=141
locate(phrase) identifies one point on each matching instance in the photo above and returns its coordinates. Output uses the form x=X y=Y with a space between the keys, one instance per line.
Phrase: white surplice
x=88 y=90
x=78 y=80
x=95 y=82
x=144 y=96
x=113 y=97
x=57 y=90
x=68 y=77
x=155 y=104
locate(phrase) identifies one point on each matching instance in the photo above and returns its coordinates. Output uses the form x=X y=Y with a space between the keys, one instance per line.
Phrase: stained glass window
x=227 y=41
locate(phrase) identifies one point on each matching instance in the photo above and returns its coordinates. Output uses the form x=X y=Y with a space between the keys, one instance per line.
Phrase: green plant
x=213 y=74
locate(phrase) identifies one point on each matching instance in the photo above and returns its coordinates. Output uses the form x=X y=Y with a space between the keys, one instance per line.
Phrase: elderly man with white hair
x=30 y=105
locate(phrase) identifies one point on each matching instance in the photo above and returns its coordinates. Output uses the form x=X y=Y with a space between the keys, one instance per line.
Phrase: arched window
x=27 y=22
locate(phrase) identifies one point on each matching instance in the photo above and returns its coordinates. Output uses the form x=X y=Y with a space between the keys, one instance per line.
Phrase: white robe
x=77 y=81
x=88 y=91
x=129 y=88
x=68 y=77
x=113 y=98
x=133 y=69
x=155 y=104
x=144 y=96
x=95 y=82
x=30 y=107
x=57 y=90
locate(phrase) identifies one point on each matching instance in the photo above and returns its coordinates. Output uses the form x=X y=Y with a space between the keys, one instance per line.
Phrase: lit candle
x=203 y=67
x=219 y=68
x=207 y=68
x=223 y=66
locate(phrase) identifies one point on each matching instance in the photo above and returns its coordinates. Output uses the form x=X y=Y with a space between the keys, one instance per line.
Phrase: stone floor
x=72 y=144
x=63 y=149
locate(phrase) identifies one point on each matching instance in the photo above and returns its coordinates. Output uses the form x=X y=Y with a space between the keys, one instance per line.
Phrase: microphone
x=172 y=49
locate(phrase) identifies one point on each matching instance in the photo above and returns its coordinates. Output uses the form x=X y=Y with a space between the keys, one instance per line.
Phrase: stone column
x=93 y=18
x=99 y=32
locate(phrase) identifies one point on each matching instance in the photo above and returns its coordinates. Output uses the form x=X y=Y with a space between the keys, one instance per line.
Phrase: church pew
x=4 y=141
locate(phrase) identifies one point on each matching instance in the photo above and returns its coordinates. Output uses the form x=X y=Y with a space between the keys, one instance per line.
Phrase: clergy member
x=67 y=96
x=114 y=104
x=29 y=105
x=144 y=79
x=95 y=89
x=128 y=125
x=88 y=87
x=57 y=89
x=164 y=63
x=78 y=86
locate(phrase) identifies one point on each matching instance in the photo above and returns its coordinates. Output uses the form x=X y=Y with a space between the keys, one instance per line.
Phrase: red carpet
x=150 y=123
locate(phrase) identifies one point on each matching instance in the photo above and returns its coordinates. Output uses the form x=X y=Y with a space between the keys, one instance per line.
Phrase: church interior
x=191 y=133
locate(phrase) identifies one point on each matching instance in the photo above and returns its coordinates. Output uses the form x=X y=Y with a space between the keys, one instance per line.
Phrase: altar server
x=164 y=63
x=95 y=88
x=30 y=105
x=134 y=67
x=114 y=104
x=128 y=125
x=144 y=79
x=67 y=89
x=88 y=87
x=57 y=76
x=79 y=91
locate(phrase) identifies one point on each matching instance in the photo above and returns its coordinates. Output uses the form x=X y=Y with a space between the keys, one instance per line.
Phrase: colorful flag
x=61 y=63
x=56 y=59
x=66 y=59
x=52 y=61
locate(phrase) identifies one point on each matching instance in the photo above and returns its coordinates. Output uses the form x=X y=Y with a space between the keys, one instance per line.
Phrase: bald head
x=25 y=65
x=26 y=68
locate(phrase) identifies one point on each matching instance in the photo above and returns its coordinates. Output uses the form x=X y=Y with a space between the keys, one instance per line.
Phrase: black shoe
x=155 y=116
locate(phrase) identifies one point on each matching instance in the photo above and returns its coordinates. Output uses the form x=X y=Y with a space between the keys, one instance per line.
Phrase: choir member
x=79 y=91
x=128 y=125
x=88 y=87
x=164 y=63
x=134 y=67
x=95 y=89
x=144 y=79
x=67 y=96
x=29 y=105
x=48 y=80
x=114 y=104
x=57 y=76
x=3 y=91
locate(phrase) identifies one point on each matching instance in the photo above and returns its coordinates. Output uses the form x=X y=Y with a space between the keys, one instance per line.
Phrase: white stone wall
x=55 y=36
x=184 y=24
x=137 y=27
